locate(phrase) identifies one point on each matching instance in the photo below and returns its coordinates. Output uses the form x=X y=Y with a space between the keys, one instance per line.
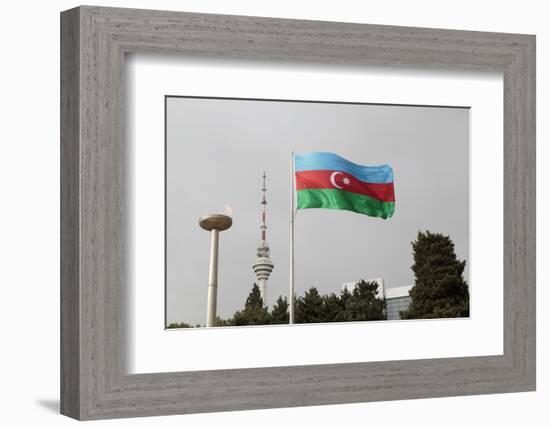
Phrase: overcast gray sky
x=217 y=151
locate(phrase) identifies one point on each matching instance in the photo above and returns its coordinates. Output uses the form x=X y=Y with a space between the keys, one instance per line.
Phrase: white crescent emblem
x=333 y=181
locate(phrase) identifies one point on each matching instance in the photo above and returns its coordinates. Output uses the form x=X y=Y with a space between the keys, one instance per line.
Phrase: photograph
x=283 y=212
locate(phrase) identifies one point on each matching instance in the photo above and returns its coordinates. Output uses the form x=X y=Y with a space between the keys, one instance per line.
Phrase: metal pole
x=213 y=280
x=291 y=287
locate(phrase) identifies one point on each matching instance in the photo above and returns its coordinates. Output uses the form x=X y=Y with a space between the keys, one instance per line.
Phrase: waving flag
x=326 y=180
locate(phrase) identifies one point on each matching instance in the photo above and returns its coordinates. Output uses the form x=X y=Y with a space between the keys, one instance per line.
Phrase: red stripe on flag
x=343 y=181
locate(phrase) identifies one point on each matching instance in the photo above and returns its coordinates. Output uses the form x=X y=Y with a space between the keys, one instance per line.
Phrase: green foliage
x=309 y=308
x=254 y=313
x=361 y=304
x=223 y=322
x=345 y=297
x=254 y=299
x=364 y=303
x=279 y=312
x=175 y=325
x=334 y=307
x=439 y=289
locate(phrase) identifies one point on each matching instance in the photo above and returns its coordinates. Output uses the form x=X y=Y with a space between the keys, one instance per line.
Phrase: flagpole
x=291 y=282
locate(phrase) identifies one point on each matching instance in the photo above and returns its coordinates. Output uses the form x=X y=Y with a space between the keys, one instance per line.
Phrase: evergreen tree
x=333 y=308
x=439 y=289
x=254 y=313
x=344 y=299
x=309 y=308
x=223 y=322
x=176 y=325
x=254 y=299
x=364 y=303
x=279 y=312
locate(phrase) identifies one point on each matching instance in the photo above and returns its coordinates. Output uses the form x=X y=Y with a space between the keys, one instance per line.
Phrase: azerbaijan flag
x=326 y=180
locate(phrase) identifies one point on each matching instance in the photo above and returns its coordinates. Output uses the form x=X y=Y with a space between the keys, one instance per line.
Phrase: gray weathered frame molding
x=94 y=41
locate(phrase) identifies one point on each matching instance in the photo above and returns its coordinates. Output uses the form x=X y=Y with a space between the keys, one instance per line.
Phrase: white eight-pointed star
x=346 y=180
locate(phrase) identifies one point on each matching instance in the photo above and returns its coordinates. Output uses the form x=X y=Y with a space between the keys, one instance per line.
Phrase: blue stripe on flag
x=329 y=161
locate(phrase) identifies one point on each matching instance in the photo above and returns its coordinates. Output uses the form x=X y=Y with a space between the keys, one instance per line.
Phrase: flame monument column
x=213 y=223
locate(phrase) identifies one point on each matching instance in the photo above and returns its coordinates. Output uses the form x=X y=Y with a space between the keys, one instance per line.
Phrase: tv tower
x=263 y=265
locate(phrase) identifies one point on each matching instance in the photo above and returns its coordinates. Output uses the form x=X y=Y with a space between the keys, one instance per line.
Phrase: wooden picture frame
x=94 y=41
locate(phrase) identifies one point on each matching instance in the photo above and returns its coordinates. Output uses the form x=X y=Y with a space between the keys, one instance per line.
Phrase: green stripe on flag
x=339 y=199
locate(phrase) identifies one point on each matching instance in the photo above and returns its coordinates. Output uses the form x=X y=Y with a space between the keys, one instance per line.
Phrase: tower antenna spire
x=263 y=266
x=263 y=226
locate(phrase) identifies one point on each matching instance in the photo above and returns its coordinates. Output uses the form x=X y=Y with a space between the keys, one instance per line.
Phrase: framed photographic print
x=281 y=213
